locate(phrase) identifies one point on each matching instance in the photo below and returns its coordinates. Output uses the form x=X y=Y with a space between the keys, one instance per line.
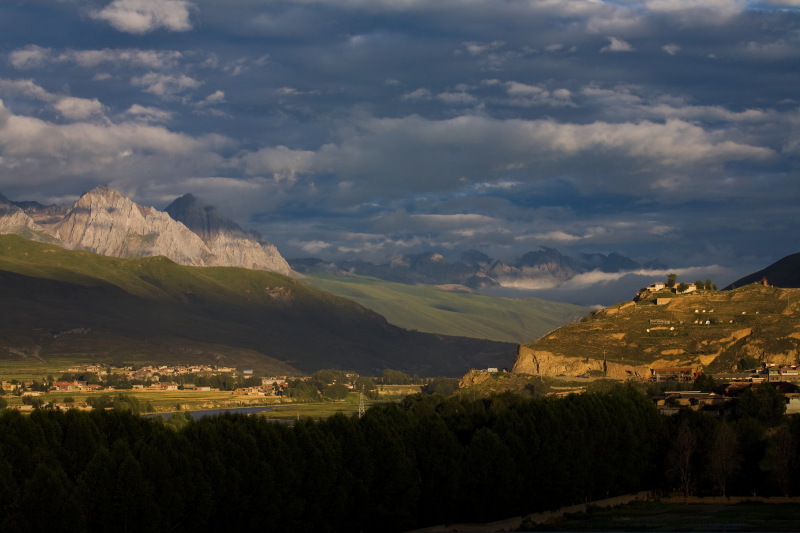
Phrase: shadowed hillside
x=782 y=273
x=79 y=305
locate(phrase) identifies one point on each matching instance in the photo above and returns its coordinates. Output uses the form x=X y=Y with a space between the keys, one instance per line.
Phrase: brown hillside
x=707 y=330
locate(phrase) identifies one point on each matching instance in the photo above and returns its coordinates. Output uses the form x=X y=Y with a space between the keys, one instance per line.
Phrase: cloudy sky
x=665 y=130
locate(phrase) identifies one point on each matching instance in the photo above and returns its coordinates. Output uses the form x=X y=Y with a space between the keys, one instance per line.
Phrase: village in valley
x=242 y=386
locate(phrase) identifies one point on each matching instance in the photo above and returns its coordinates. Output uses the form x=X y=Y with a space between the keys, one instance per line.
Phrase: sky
x=665 y=130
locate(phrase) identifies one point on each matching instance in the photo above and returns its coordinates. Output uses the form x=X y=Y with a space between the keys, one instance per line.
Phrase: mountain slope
x=75 y=304
x=783 y=273
x=712 y=330
x=451 y=311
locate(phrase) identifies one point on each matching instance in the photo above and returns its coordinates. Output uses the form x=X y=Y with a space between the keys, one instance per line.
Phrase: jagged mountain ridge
x=475 y=269
x=106 y=222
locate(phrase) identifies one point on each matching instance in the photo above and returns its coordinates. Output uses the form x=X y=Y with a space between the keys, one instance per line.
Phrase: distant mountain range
x=105 y=222
x=190 y=233
x=782 y=273
x=475 y=269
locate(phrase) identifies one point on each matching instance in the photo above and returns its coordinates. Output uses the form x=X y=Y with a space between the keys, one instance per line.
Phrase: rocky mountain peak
x=106 y=222
x=227 y=241
x=205 y=221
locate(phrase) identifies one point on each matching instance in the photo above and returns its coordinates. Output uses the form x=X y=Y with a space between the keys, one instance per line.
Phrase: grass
x=765 y=319
x=190 y=400
x=153 y=310
x=679 y=517
x=434 y=310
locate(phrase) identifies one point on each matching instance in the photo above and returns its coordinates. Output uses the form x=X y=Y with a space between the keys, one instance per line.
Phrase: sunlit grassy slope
x=427 y=308
x=73 y=304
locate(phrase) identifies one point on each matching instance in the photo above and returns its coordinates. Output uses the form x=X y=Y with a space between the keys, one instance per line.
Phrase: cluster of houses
x=659 y=286
x=731 y=386
x=147 y=378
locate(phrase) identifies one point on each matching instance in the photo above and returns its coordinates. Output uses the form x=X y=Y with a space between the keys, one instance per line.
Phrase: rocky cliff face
x=105 y=222
x=14 y=220
x=229 y=244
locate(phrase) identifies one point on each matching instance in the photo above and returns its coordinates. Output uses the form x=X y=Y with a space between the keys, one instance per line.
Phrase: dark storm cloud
x=663 y=129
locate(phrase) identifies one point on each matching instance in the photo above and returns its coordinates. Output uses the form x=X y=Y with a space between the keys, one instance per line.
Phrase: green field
x=435 y=310
x=189 y=400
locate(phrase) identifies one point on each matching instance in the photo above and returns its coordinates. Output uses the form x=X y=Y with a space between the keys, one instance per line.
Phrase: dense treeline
x=427 y=460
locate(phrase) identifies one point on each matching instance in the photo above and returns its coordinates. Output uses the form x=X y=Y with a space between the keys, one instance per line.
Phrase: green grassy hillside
x=75 y=304
x=712 y=330
x=436 y=310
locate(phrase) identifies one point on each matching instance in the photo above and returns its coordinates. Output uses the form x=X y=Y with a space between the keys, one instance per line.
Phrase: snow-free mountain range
x=476 y=270
x=190 y=233
x=105 y=222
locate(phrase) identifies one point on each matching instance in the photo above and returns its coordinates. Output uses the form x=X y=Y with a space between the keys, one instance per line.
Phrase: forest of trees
x=428 y=460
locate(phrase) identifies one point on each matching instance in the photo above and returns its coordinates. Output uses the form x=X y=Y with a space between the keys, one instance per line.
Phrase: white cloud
x=144 y=16
x=48 y=151
x=448 y=153
x=69 y=107
x=26 y=88
x=79 y=108
x=456 y=98
x=671 y=49
x=216 y=97
x=34 y=56
x=121 y=57
x=617 y=45
x=166 y=85
x=720 y=7
x=280 y=162
x=452 y=222
x=551 y=237
x=29 y=57
x=418 y=94
x=148 y=114
x=525 y=95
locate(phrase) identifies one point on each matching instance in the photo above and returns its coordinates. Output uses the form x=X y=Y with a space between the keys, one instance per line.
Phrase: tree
x=705 y=383
x=782 y=457
x=681 y=457
x=33 y=401
x=329 y=376
x=671 y=279
x=395 y=377
x=764 y=403
x=723 y=458
x=681 y=288
x=337 y=391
